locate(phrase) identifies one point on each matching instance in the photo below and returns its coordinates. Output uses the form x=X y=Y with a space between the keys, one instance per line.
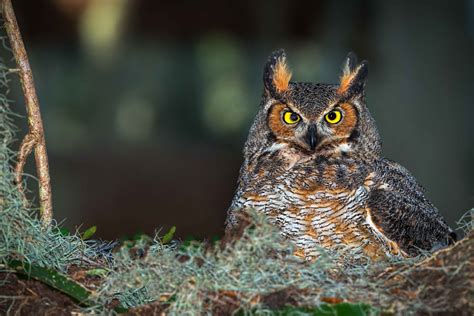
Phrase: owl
x=313 y=166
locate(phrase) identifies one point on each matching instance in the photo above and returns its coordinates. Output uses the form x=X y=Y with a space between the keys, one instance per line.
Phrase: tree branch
x=35 y=136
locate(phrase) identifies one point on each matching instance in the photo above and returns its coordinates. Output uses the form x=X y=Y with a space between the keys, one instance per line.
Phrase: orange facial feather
x=350 y=120
x=275 y=123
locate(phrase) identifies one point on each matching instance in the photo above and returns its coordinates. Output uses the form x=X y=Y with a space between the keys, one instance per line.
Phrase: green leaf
x=138 y=235
x=190 y=242
x=341 y=309
x=98 y=272
x=89 y=232
x=59 y=281
x=169 y=235
x=215 y=239
x=55 y=279
x=63 y=231
x=144 y=238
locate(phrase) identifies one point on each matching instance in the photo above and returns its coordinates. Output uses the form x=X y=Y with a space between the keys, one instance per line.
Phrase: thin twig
x=34 y=139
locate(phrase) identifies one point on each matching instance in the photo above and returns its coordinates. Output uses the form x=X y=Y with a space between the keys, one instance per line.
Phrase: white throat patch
x=344 y=147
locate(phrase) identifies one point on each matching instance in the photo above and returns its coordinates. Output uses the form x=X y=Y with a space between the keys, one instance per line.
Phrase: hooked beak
x=311 y=138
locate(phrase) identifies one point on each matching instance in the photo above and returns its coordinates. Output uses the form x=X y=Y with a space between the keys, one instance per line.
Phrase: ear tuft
x=282 y=75
x=353 y=76
x=350 y=63
x=277 y=75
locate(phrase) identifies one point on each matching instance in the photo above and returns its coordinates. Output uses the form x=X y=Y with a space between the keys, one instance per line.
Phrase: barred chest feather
x=317 y=203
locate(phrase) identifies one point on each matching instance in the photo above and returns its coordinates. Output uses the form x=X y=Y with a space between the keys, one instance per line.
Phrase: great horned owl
x=313 y=165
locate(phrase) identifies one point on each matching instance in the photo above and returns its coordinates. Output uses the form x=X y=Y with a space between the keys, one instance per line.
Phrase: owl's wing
x=399 y=208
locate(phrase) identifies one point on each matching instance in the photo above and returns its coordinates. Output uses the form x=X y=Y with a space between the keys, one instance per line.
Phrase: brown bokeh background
x=147 y=104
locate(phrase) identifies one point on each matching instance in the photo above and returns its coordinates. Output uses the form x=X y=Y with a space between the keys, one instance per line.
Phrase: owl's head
x=315 y=119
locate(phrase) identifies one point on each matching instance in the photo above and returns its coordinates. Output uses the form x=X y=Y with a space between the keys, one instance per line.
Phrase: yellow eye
x=291 y=117
x=333 y=117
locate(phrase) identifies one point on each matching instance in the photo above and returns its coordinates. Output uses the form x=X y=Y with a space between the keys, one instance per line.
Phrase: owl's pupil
x=332 y=116
x=294 y=117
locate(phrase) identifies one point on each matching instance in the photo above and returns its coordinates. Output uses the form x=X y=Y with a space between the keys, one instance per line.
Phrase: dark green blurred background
x=147 y=104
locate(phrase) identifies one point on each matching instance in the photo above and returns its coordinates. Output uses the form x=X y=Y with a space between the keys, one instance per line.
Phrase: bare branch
x=35 y=136
x=25 y=150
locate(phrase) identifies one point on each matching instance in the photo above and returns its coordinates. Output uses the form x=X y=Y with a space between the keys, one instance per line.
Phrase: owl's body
x=313 y=165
